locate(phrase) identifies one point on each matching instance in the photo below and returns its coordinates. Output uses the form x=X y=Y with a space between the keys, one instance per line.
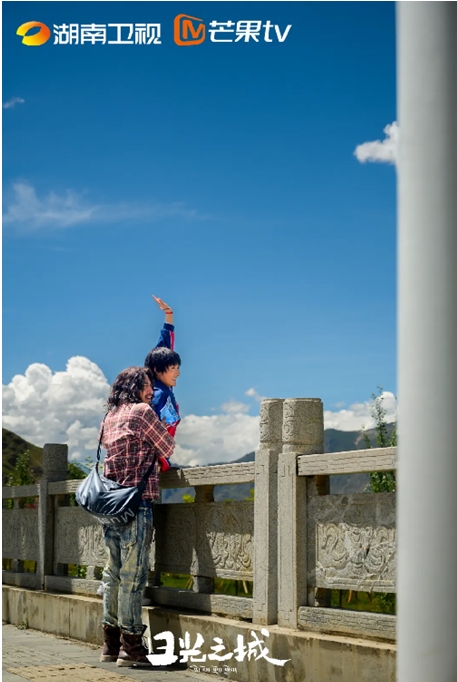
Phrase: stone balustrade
x=295 y=541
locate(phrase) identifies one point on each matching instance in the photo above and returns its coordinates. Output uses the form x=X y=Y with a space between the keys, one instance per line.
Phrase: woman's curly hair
x=127 y=386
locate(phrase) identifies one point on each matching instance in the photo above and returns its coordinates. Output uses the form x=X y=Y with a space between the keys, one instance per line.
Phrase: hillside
x=12 y=446
x=334 y=441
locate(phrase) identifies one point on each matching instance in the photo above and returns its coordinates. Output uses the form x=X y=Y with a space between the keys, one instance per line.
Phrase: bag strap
x=100 y=441
x=144 y=480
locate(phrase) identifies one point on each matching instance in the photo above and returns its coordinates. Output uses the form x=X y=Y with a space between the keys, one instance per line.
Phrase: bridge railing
x=337 y=542
x=294 y=541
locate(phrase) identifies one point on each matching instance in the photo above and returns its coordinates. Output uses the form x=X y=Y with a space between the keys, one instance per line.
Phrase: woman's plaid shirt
x=132 y=434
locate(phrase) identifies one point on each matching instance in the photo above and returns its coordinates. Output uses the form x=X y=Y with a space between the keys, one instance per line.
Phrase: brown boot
x=112 y=644
x=132 y=652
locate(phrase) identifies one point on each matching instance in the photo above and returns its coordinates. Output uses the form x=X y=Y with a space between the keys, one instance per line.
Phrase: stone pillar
x=302 y=434
x=427 y=341
x=204 y=494
x=55 y=466
x=265 y=589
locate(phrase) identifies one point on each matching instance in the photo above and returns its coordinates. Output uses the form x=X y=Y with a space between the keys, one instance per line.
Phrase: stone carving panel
x=20 y=534
x=208 y=539
x=225 y=540
x=175 y=538
x=352 y=542
x=78 y=538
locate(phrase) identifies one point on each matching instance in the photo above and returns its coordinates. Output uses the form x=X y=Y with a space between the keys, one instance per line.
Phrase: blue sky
x=221 y=177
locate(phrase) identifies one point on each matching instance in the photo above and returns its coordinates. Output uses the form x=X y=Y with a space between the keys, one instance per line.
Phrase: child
x=164 y=363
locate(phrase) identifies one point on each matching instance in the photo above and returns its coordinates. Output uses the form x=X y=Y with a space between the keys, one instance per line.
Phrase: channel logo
x=189 y=30
x=38 y=38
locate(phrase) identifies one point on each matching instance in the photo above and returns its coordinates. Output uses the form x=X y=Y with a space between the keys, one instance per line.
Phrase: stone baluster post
x=55 y=466
x=203 y=495
x=302 y=434
x=265 y=590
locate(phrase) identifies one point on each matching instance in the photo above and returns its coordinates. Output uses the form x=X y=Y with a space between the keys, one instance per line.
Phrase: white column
x=427 y=361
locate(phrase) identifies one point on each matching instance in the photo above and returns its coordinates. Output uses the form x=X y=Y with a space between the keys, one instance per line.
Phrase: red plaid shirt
x=132 y=435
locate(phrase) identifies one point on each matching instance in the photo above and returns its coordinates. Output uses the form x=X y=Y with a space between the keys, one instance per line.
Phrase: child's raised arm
x=167 y=333
x=166 y=308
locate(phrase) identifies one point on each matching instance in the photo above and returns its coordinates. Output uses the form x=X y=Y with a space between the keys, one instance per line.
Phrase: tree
x=23 y=474
x=75 y=471
x=381 y=481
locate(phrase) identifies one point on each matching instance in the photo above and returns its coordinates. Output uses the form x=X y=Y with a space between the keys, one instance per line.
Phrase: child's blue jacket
x=163 y=400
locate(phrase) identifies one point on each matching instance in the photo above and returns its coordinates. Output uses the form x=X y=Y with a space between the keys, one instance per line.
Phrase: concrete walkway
x=32 y=655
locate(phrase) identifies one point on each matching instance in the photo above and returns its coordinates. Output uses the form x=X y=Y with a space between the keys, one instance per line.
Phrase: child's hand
x=162 y=305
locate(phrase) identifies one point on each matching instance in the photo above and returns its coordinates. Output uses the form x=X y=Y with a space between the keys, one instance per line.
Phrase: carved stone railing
x=20 y=535
x=296 y=542
x=334 y=542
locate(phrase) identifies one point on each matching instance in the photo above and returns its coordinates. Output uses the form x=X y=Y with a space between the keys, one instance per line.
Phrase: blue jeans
x=125 y=574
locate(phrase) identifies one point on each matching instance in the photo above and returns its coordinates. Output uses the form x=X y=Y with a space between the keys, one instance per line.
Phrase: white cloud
x=52 y=211
x=11 y=103
x=235 y=407
x=358 y=415
x=382 y=151
x=219 y=438
x=252 y=393
x=67 y=407
x=64 y=407
x=28 y=212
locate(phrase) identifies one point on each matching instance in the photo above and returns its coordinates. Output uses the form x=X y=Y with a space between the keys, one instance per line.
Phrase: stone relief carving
x=350 y=554
x=208 y=539
x=175 y=538
x=225 y=541
x=78 y=538
x=302 y=426
x=20 y=534
x=270 y=423
x=352 y=541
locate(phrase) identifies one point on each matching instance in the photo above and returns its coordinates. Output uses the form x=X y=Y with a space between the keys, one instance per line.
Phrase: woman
x=133 y=437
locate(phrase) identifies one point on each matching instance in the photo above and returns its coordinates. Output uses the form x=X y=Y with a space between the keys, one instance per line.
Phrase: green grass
x=375 y=602
x=237 y=588
x=76 y=571
x=29 y=566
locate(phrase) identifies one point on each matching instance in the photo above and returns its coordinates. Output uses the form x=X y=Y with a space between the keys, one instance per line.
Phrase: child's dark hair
x=160 y=359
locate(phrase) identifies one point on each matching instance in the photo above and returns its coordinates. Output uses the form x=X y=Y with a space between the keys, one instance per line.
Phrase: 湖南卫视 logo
x=38 y=38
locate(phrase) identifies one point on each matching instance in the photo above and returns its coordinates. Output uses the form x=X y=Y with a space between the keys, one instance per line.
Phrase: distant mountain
x=342 y=441
x=13 y=446
x=334 y=441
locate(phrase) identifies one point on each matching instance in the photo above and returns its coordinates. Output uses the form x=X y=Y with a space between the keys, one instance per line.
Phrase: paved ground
x=32 y=655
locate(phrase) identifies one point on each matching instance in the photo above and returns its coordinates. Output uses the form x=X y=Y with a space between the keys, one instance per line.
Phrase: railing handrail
x=350 y=462
x=218 y=474
x=18 y=491
x=330 y=463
